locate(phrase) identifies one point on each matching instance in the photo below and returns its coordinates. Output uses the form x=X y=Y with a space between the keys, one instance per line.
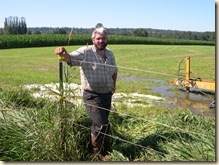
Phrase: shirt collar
x=95 y=50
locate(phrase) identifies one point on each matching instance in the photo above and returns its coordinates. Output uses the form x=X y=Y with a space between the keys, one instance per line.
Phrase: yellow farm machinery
x=207 y=85
x=197 y=83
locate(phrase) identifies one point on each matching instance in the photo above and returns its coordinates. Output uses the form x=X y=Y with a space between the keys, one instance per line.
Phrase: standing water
x=197 y=103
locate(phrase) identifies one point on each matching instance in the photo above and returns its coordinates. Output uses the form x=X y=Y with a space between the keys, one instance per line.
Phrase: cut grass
x=40 y=65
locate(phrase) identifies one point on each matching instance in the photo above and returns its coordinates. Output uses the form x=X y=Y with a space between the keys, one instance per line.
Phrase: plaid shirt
x=96 y=72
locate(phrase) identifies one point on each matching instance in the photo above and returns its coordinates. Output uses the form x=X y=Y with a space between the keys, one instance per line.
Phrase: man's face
x=100 y=41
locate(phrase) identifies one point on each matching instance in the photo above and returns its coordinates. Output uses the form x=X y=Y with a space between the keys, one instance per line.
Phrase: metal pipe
x=60 y=76
x=187 y=72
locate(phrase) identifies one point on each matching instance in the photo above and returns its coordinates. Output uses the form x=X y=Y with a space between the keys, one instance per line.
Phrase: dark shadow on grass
x=151 y=142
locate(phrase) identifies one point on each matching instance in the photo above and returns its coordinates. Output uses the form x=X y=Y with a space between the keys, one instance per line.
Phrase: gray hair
x=100 y=30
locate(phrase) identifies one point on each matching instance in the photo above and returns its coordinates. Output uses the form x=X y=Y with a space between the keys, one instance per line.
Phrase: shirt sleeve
x=77 y=56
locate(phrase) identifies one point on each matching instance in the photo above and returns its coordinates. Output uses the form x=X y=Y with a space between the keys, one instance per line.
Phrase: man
x=98 y=73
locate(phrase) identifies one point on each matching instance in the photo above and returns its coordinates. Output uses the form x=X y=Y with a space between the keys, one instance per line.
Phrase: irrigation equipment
x=197 y=83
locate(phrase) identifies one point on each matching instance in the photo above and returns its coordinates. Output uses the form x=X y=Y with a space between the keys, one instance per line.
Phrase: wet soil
x=177 y=98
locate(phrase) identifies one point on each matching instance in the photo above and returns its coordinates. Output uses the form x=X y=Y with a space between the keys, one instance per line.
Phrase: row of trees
x=142 y=32
x=14 y=25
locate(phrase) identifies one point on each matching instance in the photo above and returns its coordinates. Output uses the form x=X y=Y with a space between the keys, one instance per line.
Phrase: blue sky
x=186 y=15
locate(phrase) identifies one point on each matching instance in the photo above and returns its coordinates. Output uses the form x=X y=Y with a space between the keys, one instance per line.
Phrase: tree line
x=15 y=25
x=140 y=32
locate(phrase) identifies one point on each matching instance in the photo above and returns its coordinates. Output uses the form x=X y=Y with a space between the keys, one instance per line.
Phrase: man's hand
x=61 y=51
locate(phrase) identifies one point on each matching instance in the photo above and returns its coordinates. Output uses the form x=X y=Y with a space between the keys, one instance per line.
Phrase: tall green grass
x=31 y=130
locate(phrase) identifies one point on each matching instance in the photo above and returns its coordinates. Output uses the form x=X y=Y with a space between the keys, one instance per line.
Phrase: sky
x=184 y=15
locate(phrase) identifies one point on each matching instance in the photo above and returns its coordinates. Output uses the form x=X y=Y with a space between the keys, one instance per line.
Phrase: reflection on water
x=175 y=98
x=196 y=103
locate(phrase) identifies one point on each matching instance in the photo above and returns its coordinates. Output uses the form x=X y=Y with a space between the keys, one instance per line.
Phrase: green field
x=40 y=65
x=45 y=40
x=32 y=129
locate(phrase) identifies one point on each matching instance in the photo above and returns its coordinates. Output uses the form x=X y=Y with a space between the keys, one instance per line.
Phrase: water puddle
x=51 y=91
x=196 y=102
x=169 y=96
x=133 y=78
x=42 y=69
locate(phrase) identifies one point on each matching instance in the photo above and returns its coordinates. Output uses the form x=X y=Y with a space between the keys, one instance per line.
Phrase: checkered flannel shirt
x=96 y=72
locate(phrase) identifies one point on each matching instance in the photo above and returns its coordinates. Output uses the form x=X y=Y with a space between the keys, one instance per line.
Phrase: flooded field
x=176 y=97
x=197 y=103
x=163 y=94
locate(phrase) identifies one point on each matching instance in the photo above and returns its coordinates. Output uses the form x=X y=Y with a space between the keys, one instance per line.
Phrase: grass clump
x=31 y=129
x=36 y=130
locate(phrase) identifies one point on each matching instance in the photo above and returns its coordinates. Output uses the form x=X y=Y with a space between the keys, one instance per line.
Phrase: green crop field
x=24 y=41
x=31 y=129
